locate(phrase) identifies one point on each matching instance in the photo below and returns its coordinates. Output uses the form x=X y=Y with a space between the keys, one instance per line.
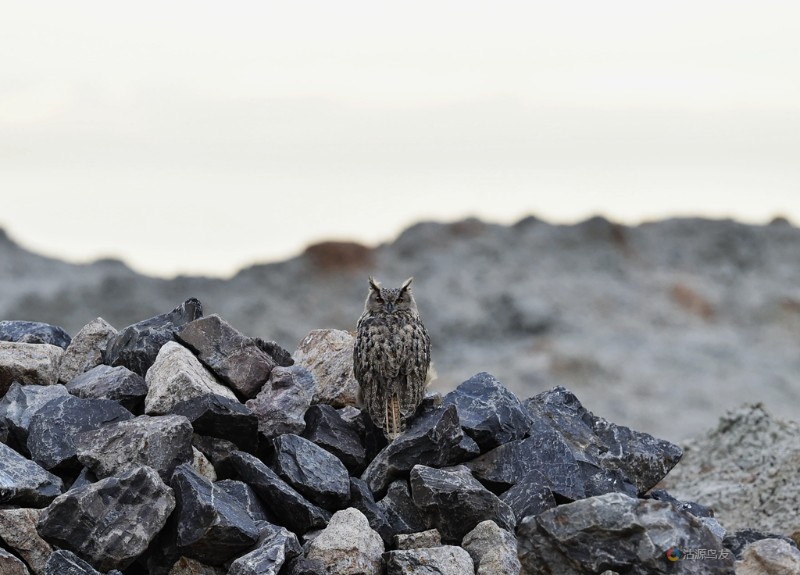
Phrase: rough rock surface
x=361 y=498
x=246 y=497
x=18 y=532
x=233 y=357
x=137 y=346
x=217 y=416
x=33 y=332
x=85 y=351
x=493 y=550
x=63 y=562
x=186 y=566
x=10 y=565
x=421 y=540
x=28 y=363
x=19 y=406
x=328 y=355
x=218 y=452
x=162 y=443
x=275 y=546
x=23 y=482
x=202 y=465
x=400 y=511
x=615 y=532
x=135 y=508
x=529 y=496
x=326 y=428
x=445 y=560
x=115 y=383
x=282 y=402
x=769 y=557
x=348 y=546
x=175 y=376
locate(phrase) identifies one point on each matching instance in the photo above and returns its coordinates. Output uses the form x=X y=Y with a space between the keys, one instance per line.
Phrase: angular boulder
x=186 y=566
x=769 y=557
x=115 y=383
x=281 y=404
x=275 y=546
x=18 y=531
x=10 y=565
x=28 y=363
x=361 y=499
x=445 y=560
x=493 y=550
x=326 y=428
x=246 y=497
x=530 y=496
x=401 y=512
x=33 y=332
x=21 y=403
x=421 y=540
x=348 y=546
x=218 y=452
x=328 y=355
x=217 y=416
x=85 y=351
x=63 y=562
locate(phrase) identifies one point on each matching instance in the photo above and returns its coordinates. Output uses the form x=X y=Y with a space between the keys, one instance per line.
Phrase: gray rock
x=85 y=351
x=218 y=416
x=233 y=357
x=488 y=412
x=293 y=510
x=282 y=402
x=616 y=532
x=769 y=557
x=456 y=502
x=493 y=550
x=161 y=443
x=429 y=440
x=115 y=383
x=10 y=565
x=348 y=546
x=282 y=357
x=312 y=471
x=23 y=482
x=137 y=346
x=175 y=376
x=276 y=546
x=326 y=428
x=34 y=332
x=402 y=514
x=303 y=566
x=328 y=355
x=218 y=452
x=21 y=403
x=63 y=562
x=246 y=497
x=52 y=432
x=18 y=531
x=211 y=525
x=186 y=566
x=530 y=496
x=739 y=540
x=361 y=498
x=28 y=363
x=85 y=477
x=111 y=522
x=421 y=540
x=466 y=450
x=445 y=560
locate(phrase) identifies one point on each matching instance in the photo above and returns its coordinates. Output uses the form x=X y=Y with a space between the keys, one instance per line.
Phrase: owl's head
x=390 y=300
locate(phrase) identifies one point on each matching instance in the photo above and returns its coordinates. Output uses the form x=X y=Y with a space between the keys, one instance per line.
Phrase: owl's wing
x=414 y=369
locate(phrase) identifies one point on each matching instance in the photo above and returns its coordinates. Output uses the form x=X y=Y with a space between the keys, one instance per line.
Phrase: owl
x=391 y=356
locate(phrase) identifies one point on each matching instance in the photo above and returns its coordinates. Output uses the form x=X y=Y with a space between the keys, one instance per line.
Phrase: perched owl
x=391 y=356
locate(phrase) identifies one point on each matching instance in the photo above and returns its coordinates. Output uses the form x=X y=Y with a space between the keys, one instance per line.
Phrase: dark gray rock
x=85 y=351
x=218 y=452
x=85 y=477
x=21 y=403
x=467 y=450
x=63 y=562
x=217 y=416
x=293 y=510
x=281 y=356
x=34 y=332
x=115 y=383
x=281 y=404
x=361 y=499
x=52 y=432
x=233 y=357
x=275 y=546
x=326 y=428
x=312 y=471
x=11 y=565
x=692 y=507
x=530 y=496
x=28 y=364
x=211 y=525
x=111 y=522
x=455 y=502
x=247 y=499
x=23 y=482
x=544 y=451
x=445 y=560
x=599 y=481
x=137 y=346
x=402 y=514
x=738 y=541
x=303 y=566
x=429 y=440
x=489 y=413
x=162 y=443
x=615 y=532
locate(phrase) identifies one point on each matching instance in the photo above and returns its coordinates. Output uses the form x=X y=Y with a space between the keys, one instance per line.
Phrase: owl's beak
x=390 y=307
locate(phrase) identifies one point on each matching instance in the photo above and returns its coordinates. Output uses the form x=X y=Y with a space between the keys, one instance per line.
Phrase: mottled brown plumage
x=391 y=356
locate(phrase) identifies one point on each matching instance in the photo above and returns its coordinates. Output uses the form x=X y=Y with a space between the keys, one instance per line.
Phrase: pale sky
x=198 y=137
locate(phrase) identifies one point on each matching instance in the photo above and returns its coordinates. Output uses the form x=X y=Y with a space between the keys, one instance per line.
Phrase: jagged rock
x=63 y=562
x=282 y=402
x=402 y=514
x=739 y=540
x=279 y=355
x=769 y=557
x=326 y=428
x=303 y=566
x=456 y=502
x=530 y=496
x=218 y=452
x=544 y=451
x=19 y=406
x=52 y=432
x=115 y=383
x=275 y=546
x=18 y=531
x=186 y=566
x=616 y=532
x=348 y=546
x=85 y=477
x=33 y=332
x=28 y=363
x=203 y=466
x=175 y=376
x=233 y=357
x=361 y=499
x=247 y=499
x=137 y=346
x=292 y=509
x=135 y=507
x=328 y=355
x=705 y=514
x=445 y=560
x=599 y=481
x=211 y=525
x=465 y=451
x=429 y=440
x=23 y=482
x=85 y=351
x=488 y=412
x=161 y=443
x=10 y=565
x=312 y=471
x=421 y=540
x=218 y=416
x=493 y=550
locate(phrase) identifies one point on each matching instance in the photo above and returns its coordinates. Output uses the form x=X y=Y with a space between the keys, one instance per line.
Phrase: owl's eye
x=379 y=299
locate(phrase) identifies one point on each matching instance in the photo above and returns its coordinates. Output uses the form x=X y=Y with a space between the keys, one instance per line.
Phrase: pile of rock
x=180 y=446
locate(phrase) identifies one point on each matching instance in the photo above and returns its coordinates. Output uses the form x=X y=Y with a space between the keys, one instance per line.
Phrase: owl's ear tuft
x=407 y=284
x=374 y=284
